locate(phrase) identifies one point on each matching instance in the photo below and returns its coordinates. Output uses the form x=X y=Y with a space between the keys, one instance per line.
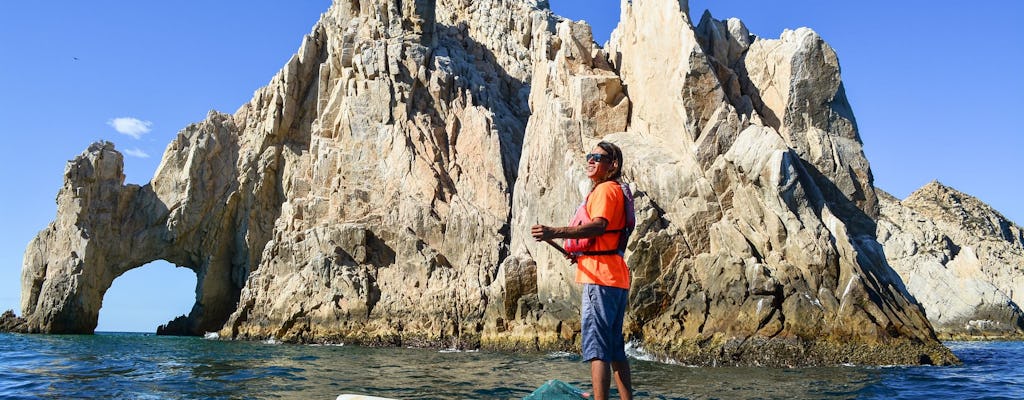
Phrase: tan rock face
x=960 y=259
x=380 y=190
x=396 y=210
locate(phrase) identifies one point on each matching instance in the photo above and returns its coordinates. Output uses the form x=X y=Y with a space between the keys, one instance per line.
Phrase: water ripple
x=148 y=367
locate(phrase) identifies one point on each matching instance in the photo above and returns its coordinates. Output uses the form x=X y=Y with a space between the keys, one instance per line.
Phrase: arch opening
x=145 y=298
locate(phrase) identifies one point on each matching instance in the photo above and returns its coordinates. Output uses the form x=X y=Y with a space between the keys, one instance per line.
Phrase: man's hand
x=541 y=232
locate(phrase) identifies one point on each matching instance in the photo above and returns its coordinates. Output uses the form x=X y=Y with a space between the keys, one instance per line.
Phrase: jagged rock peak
x=726 y=41
x=938 y=201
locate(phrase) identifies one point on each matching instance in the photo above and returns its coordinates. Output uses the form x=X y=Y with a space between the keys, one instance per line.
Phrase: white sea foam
x=561 y=354
x=454 y=350
x=211 y=336
x=635 y=351
x=271 y=341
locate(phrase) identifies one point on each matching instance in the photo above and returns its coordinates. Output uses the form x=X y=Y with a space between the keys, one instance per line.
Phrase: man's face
x=598 y=164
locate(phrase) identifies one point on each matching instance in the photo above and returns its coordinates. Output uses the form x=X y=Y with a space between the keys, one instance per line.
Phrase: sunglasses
x=595 y=157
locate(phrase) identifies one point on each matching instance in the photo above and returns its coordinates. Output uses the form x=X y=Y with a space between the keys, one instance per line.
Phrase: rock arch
x=190 y=215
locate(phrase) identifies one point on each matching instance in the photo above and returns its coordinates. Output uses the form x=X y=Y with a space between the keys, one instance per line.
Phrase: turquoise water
x=139 y=366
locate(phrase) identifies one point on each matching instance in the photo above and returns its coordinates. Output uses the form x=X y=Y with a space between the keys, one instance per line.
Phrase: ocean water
x=143 y=366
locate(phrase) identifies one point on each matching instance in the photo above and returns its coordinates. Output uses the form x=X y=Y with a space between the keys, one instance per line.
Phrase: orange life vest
x=583 y=246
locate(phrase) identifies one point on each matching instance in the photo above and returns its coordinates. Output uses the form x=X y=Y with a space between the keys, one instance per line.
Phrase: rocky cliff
x=962 y=260
x=379 y=190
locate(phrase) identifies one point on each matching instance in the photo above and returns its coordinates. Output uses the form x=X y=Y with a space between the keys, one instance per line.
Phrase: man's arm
x=592 y=229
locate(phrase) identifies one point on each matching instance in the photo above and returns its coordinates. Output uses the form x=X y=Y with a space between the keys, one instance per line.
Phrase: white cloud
x=130 y=126
x=136 y=152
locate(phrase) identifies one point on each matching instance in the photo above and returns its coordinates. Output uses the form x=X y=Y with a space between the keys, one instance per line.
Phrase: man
x=594 y=239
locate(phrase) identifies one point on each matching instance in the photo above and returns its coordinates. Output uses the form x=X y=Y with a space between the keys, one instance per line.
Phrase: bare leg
x=623 y=379
x=600 y=379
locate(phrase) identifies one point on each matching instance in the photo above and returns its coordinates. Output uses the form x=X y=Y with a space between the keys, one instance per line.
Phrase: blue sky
x=935 y=87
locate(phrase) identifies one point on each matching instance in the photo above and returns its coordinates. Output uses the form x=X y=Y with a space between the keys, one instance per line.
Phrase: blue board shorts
x=601 y=316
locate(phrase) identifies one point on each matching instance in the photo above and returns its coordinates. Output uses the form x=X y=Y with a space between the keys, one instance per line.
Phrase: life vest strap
x=602 y=252
x=599 y=253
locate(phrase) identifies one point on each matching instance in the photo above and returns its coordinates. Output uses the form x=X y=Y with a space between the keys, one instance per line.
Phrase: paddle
x=561 y=250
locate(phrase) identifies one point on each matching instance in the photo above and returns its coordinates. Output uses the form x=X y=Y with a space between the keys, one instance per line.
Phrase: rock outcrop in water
x=380 y=188
x=962 y=260
x=12 y=323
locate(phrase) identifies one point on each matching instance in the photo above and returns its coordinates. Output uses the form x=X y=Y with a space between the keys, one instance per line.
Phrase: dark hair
x=616 y=154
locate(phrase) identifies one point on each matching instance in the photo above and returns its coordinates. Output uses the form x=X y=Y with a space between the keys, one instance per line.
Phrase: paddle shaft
x=561 y=250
